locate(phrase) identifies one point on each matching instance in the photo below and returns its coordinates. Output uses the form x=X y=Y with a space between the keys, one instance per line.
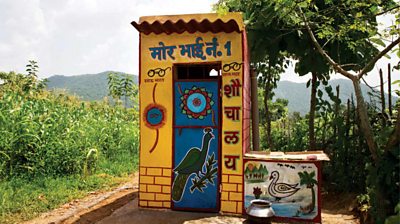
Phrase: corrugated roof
x=211 y=22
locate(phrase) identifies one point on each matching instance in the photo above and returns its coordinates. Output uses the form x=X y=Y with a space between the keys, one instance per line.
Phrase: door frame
x=217 y=79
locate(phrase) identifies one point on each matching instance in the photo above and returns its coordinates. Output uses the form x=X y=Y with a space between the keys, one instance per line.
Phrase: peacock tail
x=178 y=186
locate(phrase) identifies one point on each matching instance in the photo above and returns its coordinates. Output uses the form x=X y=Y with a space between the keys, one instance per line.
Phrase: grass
x=22 y=198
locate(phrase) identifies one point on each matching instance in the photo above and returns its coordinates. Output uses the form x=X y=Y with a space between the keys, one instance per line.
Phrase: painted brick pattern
x=232 y=194
x=155 y=187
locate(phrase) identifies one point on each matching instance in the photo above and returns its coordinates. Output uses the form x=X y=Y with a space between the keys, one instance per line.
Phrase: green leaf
x=320 y=93
x=308 y=83
x=378 y=41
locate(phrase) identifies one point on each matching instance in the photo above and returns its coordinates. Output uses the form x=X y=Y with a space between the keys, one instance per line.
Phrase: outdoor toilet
x=195 y=151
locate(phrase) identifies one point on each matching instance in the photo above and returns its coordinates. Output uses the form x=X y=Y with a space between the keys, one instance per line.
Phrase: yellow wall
x=159 y=161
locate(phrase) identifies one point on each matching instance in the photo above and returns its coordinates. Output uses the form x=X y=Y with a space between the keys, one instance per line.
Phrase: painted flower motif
x=257 y=192
x=196 y=103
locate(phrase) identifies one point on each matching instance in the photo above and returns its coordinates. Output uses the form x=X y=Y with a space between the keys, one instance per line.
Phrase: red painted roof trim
x=191 y=26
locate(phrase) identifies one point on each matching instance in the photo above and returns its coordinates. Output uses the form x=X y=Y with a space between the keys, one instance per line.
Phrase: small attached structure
x=194 y=83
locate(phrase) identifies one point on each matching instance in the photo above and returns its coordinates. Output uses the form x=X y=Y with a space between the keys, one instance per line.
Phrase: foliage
x=54 y=147
x=211 y=173
x=88 y=87
x=344 y=35
x=307 y=179
x=44 y=134
x=122 y=86
x=394 y=218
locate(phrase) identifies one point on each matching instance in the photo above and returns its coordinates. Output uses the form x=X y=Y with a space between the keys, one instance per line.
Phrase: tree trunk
x=313 y=103
x=267 y=90
x=366 y=128
x=313 y=201
x=394 y=139
x=337 y=107
x=255 y=116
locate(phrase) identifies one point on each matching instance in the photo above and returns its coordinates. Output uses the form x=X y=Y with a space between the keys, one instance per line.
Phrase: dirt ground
x=120 y=206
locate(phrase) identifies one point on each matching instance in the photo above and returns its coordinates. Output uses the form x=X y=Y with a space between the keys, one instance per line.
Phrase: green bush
x=49 y=134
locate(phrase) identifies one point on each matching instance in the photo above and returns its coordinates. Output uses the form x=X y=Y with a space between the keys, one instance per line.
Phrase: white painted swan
x=280 y=190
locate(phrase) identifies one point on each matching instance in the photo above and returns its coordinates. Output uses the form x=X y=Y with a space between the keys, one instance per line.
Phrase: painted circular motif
x=196 y=103
x=154 y=116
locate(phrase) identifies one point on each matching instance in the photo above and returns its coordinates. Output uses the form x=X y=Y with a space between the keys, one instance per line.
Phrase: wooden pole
x=390 y=91
x=383 y=105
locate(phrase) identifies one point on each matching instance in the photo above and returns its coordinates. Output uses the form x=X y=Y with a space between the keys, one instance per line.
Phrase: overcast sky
x=72 y=37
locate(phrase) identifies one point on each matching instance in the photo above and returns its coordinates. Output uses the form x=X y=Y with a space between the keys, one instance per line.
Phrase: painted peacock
x=192 y=162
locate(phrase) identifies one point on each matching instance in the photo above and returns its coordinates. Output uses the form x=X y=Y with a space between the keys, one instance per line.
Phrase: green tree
x=122 y=85
x=127 y=88
x=269 y=76
x=114 y=89
x=345 y=35
x=308 y=180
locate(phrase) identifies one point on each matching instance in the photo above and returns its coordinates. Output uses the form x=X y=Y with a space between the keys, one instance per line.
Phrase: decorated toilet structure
x=195 y=151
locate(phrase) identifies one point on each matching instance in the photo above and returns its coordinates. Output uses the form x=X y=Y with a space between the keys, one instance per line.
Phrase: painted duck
x=280 y=190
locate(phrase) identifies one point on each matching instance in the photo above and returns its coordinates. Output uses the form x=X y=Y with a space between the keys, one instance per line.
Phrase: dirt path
x=120 y=206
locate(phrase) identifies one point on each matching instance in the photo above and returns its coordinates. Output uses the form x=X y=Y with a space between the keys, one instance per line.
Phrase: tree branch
x=386 y=11
x=394 y=139
x=335 y=65
x=377 y=57
x=371 y=87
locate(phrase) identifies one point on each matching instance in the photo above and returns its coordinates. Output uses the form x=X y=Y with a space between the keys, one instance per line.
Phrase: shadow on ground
x=130 y=213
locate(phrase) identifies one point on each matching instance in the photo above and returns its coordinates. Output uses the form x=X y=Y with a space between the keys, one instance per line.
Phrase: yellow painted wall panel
x=143 y=187
x=143 y=203
x=228 y=187
x=235 y=179
x=155 y=204
x=240 y=207
x=166 y=189
x=154 y=188
x=167 y=204
x=233 y=196
x=142 y=171
x=228 y=206
x=163 y=180
x=167 y=172
x=146 y=180
x=224 y=195
x=163 y=197
x=154 y=171
x=146 y=196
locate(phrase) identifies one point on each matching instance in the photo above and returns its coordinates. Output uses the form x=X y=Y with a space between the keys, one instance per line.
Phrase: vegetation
x=54 y=147
x=326 y=36
x=89 y=87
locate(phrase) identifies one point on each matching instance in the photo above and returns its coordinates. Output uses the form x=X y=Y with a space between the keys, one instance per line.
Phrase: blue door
x=196 y=142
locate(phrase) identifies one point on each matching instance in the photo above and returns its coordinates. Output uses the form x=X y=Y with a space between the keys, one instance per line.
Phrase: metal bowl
x=260 y=211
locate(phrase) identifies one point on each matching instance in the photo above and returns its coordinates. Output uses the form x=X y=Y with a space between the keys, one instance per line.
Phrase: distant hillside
x=95 y=87
x=299 y=96
x=88 y=86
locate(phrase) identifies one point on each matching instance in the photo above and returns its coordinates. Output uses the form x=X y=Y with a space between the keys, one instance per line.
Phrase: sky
x=73 y=37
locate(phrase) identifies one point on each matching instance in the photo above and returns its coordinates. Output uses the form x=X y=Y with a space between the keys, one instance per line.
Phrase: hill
x=88 y=86
x=95 y=87
x=299 y=96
